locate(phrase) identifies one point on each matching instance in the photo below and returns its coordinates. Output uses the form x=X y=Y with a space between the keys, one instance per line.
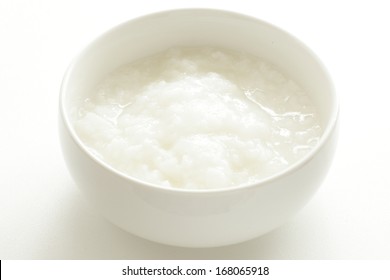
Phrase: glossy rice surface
x=198 y=118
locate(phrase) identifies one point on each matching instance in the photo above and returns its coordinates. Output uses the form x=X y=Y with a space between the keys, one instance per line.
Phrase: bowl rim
x=329 y=129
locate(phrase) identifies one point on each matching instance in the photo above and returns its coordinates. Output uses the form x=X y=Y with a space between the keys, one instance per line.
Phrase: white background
x=44 y=216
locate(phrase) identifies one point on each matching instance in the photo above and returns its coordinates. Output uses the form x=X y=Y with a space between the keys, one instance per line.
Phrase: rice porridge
x=198 y=118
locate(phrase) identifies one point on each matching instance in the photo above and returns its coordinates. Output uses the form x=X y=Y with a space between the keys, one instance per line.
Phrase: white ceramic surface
x=197 y=218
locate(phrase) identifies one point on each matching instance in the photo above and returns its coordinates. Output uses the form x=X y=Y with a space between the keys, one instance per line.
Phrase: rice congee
x=198 y=118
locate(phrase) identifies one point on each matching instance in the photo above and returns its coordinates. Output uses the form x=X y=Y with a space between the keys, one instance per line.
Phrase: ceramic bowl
x=197 y=218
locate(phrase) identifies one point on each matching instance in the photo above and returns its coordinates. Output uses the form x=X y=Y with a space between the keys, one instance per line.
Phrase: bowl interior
x=197 y=27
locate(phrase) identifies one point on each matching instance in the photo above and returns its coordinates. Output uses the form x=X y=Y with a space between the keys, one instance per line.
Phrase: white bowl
x=197 y=218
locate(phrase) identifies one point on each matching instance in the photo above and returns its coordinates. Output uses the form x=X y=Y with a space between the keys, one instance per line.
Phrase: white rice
x=198 y=118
